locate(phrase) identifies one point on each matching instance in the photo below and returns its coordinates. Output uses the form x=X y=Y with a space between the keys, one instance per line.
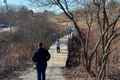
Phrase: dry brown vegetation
x=17 y=47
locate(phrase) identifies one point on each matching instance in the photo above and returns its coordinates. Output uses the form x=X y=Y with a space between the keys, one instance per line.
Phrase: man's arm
x=34 y=58
x=48 y=56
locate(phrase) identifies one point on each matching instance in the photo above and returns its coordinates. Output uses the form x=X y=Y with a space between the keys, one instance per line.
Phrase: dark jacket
x=41 y=56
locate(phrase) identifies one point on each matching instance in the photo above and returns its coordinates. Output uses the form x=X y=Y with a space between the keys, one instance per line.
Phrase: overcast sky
x=27 y=3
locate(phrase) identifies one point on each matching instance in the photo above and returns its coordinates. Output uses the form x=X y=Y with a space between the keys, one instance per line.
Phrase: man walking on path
x=40 y=58
x=58 y=46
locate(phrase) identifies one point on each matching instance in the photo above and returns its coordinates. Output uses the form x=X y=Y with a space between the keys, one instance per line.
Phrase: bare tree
x=108 y=33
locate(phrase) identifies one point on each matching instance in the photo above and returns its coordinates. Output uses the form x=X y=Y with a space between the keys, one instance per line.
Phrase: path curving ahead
x=55 y=65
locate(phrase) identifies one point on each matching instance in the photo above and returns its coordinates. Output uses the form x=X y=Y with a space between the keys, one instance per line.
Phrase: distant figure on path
x=58 y=46
x=40 y=58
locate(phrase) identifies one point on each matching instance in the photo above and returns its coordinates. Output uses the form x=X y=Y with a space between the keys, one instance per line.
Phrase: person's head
x=40 y=45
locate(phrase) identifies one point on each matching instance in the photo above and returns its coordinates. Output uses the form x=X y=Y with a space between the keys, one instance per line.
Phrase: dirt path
x=56 y=64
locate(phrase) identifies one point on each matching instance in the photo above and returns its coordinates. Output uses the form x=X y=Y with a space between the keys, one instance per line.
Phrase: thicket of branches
x=106 y=21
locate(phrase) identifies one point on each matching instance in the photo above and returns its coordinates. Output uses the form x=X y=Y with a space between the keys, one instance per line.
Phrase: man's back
x=41 y=56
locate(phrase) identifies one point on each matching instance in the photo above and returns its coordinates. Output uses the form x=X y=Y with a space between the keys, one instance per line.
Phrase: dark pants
x=41 y=69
